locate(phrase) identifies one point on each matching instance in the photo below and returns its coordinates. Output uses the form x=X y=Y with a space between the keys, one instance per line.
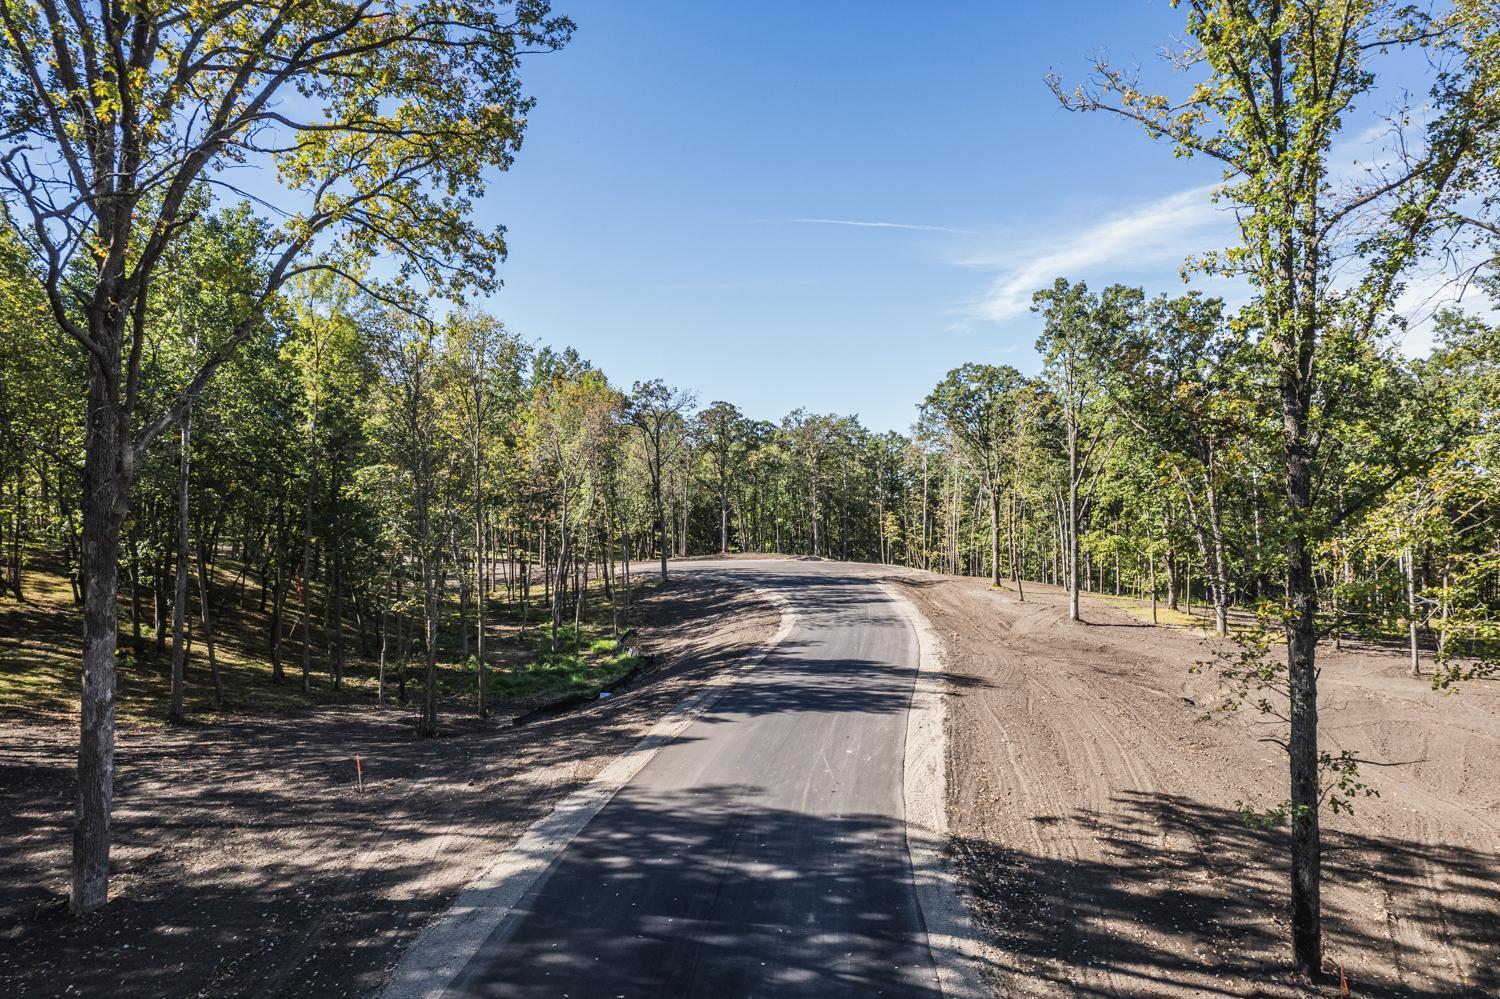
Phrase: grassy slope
x=40 y=639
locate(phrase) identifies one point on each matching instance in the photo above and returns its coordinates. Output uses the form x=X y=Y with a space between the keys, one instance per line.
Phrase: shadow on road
x=712 y=893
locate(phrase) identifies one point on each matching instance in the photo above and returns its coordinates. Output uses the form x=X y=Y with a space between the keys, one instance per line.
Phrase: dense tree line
x=358 y=465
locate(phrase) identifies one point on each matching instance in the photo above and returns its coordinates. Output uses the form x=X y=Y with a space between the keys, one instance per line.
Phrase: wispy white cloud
x=1429 y=292
x=1157 y=233
x=874 y=225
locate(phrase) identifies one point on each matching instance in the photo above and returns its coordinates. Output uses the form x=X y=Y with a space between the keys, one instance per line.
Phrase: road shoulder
x=951 y=935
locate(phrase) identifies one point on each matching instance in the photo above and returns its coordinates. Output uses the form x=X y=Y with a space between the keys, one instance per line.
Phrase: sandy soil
x=1096 y=821
x=246 y=863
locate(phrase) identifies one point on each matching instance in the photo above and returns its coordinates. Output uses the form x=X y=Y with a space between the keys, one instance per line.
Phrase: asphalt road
x=763 y=852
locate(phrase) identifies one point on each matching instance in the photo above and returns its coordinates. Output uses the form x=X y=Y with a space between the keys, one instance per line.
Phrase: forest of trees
x=186 y=385
x=363 y=465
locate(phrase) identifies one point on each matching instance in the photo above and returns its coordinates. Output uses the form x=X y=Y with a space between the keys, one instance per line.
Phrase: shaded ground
x=248 y=864
x=1095 y=815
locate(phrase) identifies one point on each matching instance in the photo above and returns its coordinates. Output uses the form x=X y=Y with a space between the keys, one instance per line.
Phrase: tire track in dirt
x=1094 y=812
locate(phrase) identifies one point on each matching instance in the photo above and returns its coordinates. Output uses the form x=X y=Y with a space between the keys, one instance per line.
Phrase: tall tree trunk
x=661 y=526
x=1444 y=608
x=994 y=537
x=1302 y=638
x=336 y=610
x=625 y=573
x=926 y=557
x=1019 y=510
x=384 y=640
x=278 y=591
x=813 y=499
x=1152 y=559
x=135 y=594
x=562 y=556
x=1216 y=548
x=431 y=553
x=480 y=587
x=179 y=602
x=1170 y=562
x=159 y=599
x=13 y=559
x=1072 y=566
x=107 y=471
x=578 y=596
x=304 y=590
x=1408 y=560
x=205 y=614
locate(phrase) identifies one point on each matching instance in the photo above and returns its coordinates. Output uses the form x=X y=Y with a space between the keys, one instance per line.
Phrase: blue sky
x=679 y=207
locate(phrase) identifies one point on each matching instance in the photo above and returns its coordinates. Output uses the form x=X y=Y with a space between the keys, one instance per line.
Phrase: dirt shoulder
x=246 y=862
x=1095 y=815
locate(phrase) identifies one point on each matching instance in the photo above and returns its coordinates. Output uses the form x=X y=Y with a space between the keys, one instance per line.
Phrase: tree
x=721 y=428
x=409 y=431
x=978 y=405
x=1277 y=81
x=1075 y=335
x=571 y=410
x=655 y=409
x=1180 y=379
x=483 y=382
x=111 y=122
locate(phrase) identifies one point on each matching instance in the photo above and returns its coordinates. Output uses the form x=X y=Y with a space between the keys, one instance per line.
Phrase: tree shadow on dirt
x=1190 y=901
x=247 y=862
x=228 y=883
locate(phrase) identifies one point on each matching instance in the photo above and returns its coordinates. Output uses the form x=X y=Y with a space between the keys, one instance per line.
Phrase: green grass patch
x=583 y=664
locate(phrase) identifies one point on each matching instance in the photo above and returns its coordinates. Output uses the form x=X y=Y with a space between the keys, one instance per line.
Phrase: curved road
x=762 y=852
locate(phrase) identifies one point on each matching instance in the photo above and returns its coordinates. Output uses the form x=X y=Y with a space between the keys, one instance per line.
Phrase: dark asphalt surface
x=760 y=854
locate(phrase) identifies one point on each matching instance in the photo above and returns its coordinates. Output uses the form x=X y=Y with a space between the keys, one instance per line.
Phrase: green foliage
x=601 y=663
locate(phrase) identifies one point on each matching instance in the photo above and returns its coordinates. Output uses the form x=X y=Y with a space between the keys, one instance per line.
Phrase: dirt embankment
x=246 y=862
x=1096 y=815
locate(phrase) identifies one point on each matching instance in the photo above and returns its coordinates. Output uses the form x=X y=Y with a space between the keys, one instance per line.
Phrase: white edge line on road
x=950 y=931
x=439 y=954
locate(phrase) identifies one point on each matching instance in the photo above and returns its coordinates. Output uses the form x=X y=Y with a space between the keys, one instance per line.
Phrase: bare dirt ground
x=246 y=862
x=1096 y=822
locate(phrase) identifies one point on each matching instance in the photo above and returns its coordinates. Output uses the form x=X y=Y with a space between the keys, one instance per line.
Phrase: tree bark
x=205 y=614
x=336 y=607
x=661 y=522
x=431 y=553
x=479 y=578
x=1072 y=556
x=994 y=537
x=108 y=469
x=1151 y=559
x=1302 y=638
x=1216 y=545
x=278 y=591
x=305 y=589
x=1408 y=560
x=179 y=601
x=135 y=594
